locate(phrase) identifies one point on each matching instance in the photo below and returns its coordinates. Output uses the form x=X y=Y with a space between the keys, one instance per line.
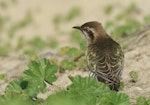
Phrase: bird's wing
x=107 y=65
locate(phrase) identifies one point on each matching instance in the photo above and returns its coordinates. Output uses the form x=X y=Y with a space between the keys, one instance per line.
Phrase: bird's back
x=105 y=61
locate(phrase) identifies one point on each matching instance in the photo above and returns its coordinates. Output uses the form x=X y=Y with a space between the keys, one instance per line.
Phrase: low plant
x=82 y=90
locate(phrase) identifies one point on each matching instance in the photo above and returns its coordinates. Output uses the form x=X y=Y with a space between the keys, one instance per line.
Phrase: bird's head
x=92 y=31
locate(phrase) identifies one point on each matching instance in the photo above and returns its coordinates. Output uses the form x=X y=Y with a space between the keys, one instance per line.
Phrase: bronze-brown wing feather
x=105 y=61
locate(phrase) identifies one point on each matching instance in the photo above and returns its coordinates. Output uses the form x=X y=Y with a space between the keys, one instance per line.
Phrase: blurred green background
x=31 y=26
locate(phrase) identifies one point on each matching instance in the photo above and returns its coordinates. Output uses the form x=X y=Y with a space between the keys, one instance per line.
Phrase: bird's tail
x=115 y=86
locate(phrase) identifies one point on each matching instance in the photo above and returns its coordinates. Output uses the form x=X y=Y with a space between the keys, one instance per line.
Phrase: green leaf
x=141 y=101
x=82 y=91
x=39 y=72
x=131 y=8
x=148 y=101
x=15 y=99
x=122 y=30
x=135 y=24
x=2 y=76
x=121 y=86
x=87 y=85
x=109 y=24
x=34 y=87
x=130 y=25
x=37 y=43
x=127 y=12
x=115 y=99
x=73 y=13
x=84 y=87
x=63 y=51
x=14 y=86
x=53 y=43
x=108 y=9
x=72 y=52
x=87 y=91
x=62 y=98
x=134 y=76
x=30 y=52
x=147 y=19
x=66 y=64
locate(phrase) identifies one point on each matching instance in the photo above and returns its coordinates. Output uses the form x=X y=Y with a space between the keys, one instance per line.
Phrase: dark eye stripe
x=91 y=35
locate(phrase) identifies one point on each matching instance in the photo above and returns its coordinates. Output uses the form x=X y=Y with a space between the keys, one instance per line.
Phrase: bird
x=105 y=57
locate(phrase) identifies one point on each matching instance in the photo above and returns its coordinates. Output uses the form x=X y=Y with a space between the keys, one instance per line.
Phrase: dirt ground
x=137 y=59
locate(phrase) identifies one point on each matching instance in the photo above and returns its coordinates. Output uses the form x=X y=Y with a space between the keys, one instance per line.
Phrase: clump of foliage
x=134 y=76
x=147 y=19
x=87 y=91
x=66 y=64
x=15 y=99
x=6 y=47
x=2 y=76
x=35 y=45
x=108 y=9
x=71 y=64
x=142 y=101
x=73 y=13
x=25 y=89
x=69 y=51
x=53 y=43
x=82 y=91
x=125 y=22
x=34 y=79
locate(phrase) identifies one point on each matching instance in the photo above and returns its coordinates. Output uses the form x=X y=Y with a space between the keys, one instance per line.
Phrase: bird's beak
x=77 y=27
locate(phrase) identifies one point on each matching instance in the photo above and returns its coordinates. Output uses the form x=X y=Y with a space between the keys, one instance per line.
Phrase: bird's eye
x=86 y=29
